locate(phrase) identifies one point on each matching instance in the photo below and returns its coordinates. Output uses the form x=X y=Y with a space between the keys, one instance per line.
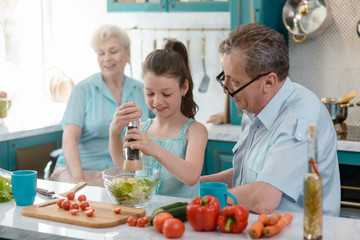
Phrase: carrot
x=269 y=220
x=263 y=218
x=272 y=230
x=256 y=229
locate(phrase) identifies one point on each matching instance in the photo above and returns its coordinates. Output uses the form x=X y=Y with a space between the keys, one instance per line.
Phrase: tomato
x=88 y=208
x=82 y=197
x=84 y=204
x=160 y=219
x=117 y=210
x=140 y=222
x=70 y=195
x=59 y=202
x=89 y=212
x=132 y=221
x=74 y=205
x=147 y=218
x=65 y=204
x=173 y=228
x=73 y=211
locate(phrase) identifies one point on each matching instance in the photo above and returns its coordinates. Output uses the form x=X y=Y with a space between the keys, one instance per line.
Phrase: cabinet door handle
x=172 y=3
x=163 y=3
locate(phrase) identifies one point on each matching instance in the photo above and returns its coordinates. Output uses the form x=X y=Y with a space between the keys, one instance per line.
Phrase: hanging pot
x=306 y=18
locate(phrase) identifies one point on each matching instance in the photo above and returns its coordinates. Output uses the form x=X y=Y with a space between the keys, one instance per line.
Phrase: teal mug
x=218 y=190
x=23 y=185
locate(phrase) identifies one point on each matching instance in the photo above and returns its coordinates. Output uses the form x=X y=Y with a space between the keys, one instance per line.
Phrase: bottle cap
x=313 y=130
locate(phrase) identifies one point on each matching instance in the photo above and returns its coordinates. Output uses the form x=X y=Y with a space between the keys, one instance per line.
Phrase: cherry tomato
x=74 y=205
x=89 y=208
x=84 y=204
x=59 y=202
x=140 y=222
x=73 y=211
x=132 y=221
x=70 y=195
x=117 y=210
x=160 y=219
x=65 y=204
x=82 y=197
x=147 y=218
x=173 y=228
x=89 y=212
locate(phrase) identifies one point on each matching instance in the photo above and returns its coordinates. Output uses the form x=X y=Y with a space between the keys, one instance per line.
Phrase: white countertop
x=231 y=133
x=15 y=226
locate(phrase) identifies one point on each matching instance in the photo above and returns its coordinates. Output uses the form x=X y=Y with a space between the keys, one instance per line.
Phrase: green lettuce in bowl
x=133 y=189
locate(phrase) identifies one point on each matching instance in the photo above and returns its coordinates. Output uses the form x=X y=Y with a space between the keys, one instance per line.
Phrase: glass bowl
x=134 y=189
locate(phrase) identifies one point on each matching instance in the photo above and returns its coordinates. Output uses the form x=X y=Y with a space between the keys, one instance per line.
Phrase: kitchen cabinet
x=3 y=156
x=29 y=152
x=167 y=6
x=349 y=158
x=218 y=156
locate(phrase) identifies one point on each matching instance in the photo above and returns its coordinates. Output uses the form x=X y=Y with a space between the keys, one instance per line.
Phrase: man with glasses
x=270 y=158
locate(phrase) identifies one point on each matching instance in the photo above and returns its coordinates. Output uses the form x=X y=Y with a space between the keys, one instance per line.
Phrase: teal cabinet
x=218 y=156
x=349 y=158
x=29 y=152
x=167 y=6
x=4 y=163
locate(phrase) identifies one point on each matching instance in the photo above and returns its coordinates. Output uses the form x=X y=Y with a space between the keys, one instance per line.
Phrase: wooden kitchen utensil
x=103 y=216
x=204 y=85
x=74 y=189
x=350 y=95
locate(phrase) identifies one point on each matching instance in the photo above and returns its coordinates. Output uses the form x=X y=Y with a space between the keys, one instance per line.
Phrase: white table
x=15 y=226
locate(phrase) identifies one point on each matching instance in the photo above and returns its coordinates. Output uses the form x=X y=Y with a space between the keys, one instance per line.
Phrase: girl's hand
x=124 y=114
x=141 y=142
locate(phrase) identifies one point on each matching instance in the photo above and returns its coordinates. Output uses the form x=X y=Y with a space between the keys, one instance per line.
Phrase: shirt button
x=299 y=134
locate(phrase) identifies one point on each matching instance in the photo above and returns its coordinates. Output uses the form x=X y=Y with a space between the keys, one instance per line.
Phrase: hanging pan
x=306 y=18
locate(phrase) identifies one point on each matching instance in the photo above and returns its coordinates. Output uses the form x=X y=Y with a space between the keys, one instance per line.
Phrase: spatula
x=204 y=85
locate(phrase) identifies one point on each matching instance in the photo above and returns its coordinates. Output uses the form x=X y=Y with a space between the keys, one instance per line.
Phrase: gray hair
x=263 y=49
x=108 y=31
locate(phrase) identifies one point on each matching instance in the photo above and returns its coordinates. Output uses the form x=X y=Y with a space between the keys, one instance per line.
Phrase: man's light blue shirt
x=273 y=148
x=92 y=106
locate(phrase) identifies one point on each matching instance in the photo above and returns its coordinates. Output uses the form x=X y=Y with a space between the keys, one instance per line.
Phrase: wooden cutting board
x=103 y=216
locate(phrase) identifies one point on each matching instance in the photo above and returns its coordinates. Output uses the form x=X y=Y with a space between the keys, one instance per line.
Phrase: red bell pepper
x=233 y=219
x=202 y=213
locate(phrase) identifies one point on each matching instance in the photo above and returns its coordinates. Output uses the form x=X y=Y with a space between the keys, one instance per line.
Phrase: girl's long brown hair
x=173 y=61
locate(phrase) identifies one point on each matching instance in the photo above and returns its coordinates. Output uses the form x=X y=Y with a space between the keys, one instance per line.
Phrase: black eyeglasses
x=221 y=78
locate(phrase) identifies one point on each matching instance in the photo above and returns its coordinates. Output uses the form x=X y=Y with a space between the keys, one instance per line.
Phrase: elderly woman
x=91 y=108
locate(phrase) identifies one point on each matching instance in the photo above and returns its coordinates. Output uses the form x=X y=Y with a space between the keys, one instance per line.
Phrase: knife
x=55 y=196
x=48 y=193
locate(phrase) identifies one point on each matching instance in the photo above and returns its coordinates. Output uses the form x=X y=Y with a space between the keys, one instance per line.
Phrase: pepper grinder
x=132 y=160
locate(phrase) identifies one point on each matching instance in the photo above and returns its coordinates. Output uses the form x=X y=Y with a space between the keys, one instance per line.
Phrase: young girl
x=173 y=141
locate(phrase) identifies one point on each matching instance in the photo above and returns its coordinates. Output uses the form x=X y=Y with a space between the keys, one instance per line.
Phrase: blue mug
x=218 y=190
x=23 y=184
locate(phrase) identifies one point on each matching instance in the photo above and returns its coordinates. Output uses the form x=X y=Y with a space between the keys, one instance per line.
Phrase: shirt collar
x=272 y=110
x=128 y=84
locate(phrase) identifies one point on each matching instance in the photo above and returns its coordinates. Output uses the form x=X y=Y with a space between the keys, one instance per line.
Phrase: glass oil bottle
x=312 y=191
